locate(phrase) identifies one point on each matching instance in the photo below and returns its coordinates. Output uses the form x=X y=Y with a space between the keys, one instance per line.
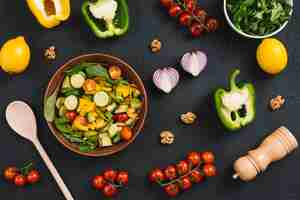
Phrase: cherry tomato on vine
x=196 y=29
x=20 y=180
x=174 y=10
x=200 y=13
x=208 y=157
x=172 y=190
x=110 y=175
x=212 y=24
x=185 y=18
x=182 y=167
x=166 y=3
x=109 y=190
x=190 y=4
x=194 y=158
x=122 y=178
x=185 y=183
x=196 y=176
x=10 y=173
x=156 y=175
x=33 y=176
x=98 y=182
x=170 y=172
x=209 y=170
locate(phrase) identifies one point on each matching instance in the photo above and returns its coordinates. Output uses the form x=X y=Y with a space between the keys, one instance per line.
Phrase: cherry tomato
x=212 y=24
x=172 y=190
x=196 y=29
x=71 y=115
x=166 y=3
x=10 y=173
x=122 y=178
x=126 y=133
x=89 y=85
x=194 y=158
x=98 y=182
x=196 y=176
x=209 y=170
x=174 y=10
x=20 y=180
x=185 y=183
x=208 y=157
x=190 y=4
x=109 y=190
x=82 y=120
x=33 y=176
x=156 y=176
x=185 y=18
x=182 y=167
x=170 y=172
x=110 y=175
x=122 y=117
x=200 y=13
x=115 y=72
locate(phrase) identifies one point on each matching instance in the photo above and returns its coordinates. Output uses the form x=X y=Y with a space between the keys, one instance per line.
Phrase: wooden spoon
x=21 y=119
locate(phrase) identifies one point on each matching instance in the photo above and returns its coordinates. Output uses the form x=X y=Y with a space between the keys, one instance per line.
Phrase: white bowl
x=255 y=36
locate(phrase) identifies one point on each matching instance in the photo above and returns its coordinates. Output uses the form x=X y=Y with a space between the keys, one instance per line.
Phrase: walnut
x=155 y=45
x=167 y=137
x=188 y=118
x=50 y=53
x=276 y=102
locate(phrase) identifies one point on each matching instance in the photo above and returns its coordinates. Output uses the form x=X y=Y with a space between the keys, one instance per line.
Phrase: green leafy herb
x=49 y=106
x=259 y=17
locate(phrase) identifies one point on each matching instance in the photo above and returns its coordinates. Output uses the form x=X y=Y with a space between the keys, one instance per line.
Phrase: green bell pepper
x=236 y=107
x=106 y=18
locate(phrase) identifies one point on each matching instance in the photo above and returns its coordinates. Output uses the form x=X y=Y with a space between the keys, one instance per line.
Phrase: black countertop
x=225 y=49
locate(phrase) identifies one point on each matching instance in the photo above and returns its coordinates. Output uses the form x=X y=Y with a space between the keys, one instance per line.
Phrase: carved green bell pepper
x=106 y=18
x=236 y=107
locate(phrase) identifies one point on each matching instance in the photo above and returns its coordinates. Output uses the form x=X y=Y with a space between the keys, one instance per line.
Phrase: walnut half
x=167 y=137
x=277 y=102
x=155 y=45
x=188 y=118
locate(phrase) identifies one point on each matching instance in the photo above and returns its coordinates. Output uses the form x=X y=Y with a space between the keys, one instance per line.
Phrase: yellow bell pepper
x=50 y=13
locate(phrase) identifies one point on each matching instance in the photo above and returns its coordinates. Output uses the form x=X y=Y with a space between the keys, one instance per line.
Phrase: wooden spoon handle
x=53 y=170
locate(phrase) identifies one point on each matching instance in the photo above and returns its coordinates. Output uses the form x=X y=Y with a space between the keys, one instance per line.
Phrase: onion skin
x=166 y=79
x=194 y=62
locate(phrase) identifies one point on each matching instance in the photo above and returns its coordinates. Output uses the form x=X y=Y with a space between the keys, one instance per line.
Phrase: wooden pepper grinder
x=275 y=147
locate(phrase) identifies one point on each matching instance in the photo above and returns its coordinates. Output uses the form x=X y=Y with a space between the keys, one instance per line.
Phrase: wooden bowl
x=130 y=75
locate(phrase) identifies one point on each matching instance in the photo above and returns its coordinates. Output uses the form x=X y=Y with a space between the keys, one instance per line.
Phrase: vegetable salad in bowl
x=95 y=106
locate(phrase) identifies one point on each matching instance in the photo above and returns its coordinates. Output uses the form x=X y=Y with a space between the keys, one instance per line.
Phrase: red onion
x=166 y=79
x=194 y=62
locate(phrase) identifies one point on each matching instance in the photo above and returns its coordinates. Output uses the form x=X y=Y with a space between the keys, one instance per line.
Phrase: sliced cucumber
x=101 y=99
x=111 y=107
x=121 y=109
x=114 y=129
x=91 y=117
x=136 y=103
x=77 y=80
x=117 y=138
x=60 y=102
x=66 y=83
x=71 y=102
x=104 y=140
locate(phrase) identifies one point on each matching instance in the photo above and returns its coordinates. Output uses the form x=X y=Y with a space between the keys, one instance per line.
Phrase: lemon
x=15 y=56
x=272 y=56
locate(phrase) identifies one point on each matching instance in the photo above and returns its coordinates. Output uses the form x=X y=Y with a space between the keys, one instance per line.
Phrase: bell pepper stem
x=233 y=76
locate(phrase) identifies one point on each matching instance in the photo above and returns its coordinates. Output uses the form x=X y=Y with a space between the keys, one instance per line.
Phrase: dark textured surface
x=225 y=50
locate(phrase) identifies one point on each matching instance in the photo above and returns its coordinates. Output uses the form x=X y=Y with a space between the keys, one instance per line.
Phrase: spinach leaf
x=98 y=70
x=49 y=106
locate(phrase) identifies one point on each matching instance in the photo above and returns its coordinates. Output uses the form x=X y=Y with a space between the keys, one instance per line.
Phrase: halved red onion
x=194 y=62
x=166 y=79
